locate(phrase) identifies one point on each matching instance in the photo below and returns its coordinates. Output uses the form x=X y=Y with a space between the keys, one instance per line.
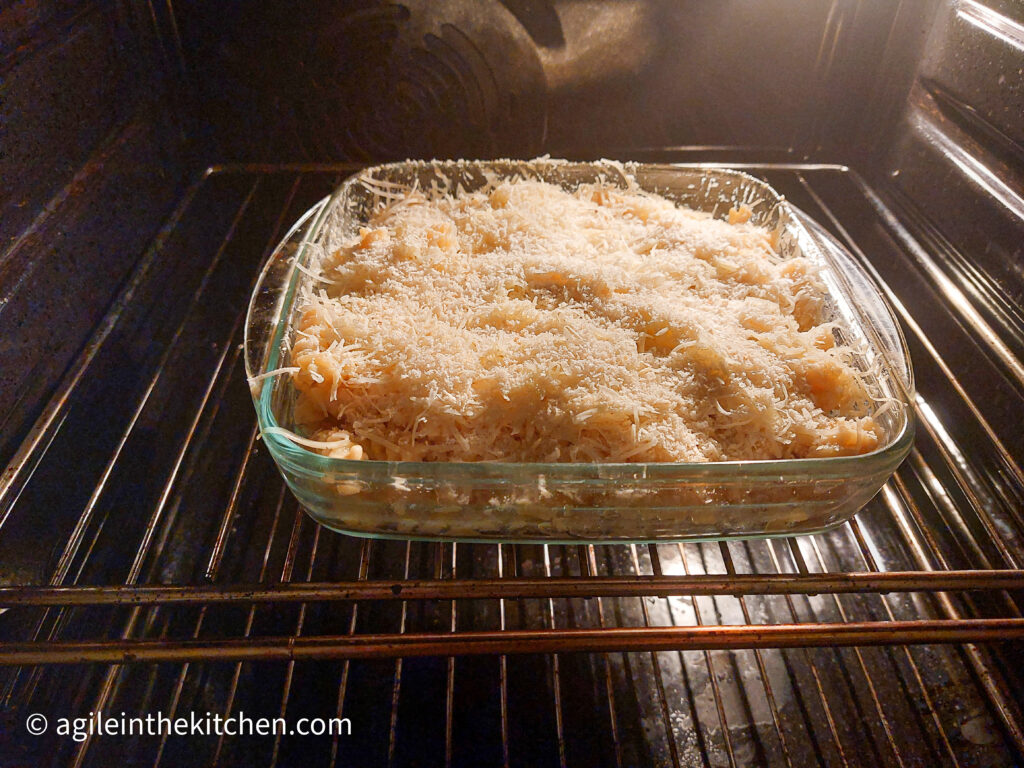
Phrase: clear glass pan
x=562 y=502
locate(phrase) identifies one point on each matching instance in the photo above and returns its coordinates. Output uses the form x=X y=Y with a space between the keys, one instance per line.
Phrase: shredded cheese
x=524 y=322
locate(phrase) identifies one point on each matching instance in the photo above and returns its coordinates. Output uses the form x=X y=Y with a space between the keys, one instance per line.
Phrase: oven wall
x=956 y=159
x=380 y=80
x=90 y=161
x=952 y=177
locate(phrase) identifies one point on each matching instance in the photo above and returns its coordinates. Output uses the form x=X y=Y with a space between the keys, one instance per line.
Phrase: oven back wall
x=375 y=80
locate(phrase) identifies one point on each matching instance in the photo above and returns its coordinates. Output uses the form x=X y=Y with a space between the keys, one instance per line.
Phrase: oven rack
x=175 y=541
x=647 y=638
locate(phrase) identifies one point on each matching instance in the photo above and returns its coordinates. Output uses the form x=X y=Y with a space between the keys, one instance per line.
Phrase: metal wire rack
x=140 y=522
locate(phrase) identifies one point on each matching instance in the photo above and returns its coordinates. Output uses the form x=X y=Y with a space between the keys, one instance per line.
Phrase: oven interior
x=151 y=560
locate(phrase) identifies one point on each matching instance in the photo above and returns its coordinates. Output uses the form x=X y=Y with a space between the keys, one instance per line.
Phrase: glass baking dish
x=570 y=502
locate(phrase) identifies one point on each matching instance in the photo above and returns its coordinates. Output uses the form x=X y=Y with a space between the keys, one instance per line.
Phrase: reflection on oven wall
x=377 y=80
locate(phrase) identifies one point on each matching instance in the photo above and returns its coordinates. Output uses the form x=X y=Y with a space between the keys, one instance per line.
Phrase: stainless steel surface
x=173 y=538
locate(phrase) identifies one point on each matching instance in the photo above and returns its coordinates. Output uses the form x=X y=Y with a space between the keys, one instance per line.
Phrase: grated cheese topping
x=524 y=322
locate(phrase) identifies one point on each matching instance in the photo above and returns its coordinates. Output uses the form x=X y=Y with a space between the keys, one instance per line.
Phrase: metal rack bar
x=659 y=679
x=212 y=565
x=230 y=350
x=211 y=573
x=396 y=687
x=109 y=687
x=955 y=462
x=515 y=588
x=708 y=637
x=111 y=681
